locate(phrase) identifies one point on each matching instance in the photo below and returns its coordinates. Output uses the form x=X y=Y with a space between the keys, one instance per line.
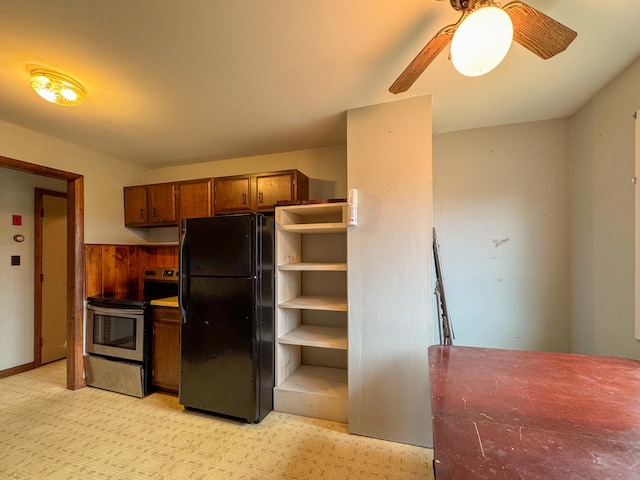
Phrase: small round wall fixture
x=57 y=88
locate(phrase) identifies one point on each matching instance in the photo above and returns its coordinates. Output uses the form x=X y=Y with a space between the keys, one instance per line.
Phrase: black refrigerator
x=226 y=299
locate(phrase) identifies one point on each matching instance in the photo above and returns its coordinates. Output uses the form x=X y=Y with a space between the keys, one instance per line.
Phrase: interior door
x=54 y=278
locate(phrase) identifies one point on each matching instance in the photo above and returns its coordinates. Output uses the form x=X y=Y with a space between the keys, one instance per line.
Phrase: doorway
x=50 y=305
x=75 y=262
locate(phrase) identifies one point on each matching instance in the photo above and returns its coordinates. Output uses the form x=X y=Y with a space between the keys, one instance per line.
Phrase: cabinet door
x=166 y=348
x=194 y=199
x=135 y=206
x=232 y=195
x=162 y=203
x=272 y=188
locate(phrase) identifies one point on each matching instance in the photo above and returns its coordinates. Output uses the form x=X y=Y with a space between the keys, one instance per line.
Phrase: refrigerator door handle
x=183 y=292
x=182 y=252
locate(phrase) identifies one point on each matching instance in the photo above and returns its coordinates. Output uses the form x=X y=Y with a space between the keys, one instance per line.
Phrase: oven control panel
x=160 y=274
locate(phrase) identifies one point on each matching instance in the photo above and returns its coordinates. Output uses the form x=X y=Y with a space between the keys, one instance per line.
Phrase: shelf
x=315 y=209
x=311 y=360
x=307 y=302
x=314 y=267
x=318 y=392
x=314 y=228
x=315 y=336
x=317 y=380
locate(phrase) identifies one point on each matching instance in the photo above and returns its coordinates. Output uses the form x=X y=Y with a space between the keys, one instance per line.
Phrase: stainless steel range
x=119 y=334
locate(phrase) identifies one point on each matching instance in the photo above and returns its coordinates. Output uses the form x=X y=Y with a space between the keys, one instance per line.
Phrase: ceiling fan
x=532 y=29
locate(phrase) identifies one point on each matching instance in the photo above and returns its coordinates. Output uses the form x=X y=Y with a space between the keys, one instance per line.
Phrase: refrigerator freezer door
x=219 y=246
x=220 y=361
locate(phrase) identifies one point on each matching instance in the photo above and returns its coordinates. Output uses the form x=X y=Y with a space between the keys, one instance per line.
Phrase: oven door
x=115 y=332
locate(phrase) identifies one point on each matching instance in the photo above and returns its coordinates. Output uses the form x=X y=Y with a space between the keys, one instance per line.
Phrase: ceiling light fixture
x=57 y=88
x=482 y=40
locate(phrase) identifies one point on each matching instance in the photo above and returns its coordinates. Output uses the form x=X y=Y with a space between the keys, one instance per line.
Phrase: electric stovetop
x=129 y=299
x=158 y=283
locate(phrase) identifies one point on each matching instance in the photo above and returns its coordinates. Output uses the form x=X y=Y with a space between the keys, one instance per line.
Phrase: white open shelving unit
x=311 y=316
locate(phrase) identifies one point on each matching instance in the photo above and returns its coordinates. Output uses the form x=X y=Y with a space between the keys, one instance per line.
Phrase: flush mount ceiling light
x=482 y=40
x=57 y=88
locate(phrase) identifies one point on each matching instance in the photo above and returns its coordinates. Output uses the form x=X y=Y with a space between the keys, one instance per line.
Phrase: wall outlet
x=15 y=259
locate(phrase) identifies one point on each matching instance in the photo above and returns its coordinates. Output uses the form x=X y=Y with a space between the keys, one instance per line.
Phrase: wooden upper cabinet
x=271 y=188
x=135 y=206
x=165 y=204
x=232 y=194
x=194 y=199
x=162 y=204
x=258 y=192
x=150 y=205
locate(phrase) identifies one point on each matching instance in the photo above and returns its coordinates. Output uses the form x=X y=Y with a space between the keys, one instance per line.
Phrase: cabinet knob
x=260 y=198
x=244 y=198
x=141 y=214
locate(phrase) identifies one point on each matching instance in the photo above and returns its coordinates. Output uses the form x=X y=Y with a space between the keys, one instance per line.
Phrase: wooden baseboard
x=19 y=369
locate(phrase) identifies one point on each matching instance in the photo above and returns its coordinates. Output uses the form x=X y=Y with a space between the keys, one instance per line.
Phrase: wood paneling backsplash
x=119 y=268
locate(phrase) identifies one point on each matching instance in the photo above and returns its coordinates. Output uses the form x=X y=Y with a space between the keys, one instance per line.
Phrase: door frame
x=75 y=262
x=37 y=281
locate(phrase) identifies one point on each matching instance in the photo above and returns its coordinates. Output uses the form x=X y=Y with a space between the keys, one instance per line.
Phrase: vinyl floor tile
x=49 y=432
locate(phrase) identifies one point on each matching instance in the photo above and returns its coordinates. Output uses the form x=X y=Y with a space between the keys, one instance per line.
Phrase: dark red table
x=509 y=414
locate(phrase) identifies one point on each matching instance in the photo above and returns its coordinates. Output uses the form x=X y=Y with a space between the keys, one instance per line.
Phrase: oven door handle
x=115 y=311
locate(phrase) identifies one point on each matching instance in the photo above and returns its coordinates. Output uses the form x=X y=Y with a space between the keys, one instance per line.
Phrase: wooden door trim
x=37 y=283
x=75 y=262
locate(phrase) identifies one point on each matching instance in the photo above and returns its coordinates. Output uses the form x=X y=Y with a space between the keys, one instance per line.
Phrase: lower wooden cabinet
x=166 y=348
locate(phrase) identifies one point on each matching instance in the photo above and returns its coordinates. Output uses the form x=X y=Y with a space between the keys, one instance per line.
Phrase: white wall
x=389 y=278
x=16 y=282
x=602 y=197
x=501 y=211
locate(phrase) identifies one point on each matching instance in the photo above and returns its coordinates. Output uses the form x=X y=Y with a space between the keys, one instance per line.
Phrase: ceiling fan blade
x=423 y=59
x=537 y=32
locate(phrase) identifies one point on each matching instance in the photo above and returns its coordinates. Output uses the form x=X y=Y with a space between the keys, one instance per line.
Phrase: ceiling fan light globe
x=481 y=41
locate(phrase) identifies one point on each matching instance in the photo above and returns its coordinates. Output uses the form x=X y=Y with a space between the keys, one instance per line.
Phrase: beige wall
x=501 y=210
x=320 y=165
x=104 y=178
x=389 y=278
x=602 y=198
x=536 y=225
x=325 y=167
x=104 y=222
x=16 y=282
